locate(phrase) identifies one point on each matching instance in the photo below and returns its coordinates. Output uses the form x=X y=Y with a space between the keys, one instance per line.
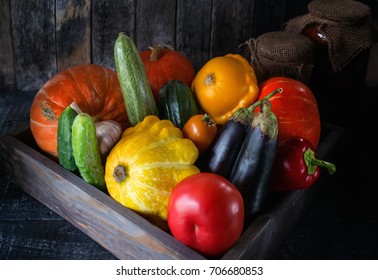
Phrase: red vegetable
x=296 y=166
x=296 y=109
x=164 y=64
x=206 y=213
x=201 y=129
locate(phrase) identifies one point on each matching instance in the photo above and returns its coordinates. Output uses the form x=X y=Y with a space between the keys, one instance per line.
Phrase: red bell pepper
x=296 y=166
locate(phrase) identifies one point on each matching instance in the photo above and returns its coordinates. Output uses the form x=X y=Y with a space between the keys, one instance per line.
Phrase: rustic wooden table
x=341 y=224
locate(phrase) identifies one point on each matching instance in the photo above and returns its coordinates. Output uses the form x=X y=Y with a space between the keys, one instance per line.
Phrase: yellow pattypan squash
x=225 y=84
x=147 y=163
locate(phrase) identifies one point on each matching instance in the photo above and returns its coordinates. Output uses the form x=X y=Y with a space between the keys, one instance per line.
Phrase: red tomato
x=201 y=129
x=206 y=213
x=296 y=109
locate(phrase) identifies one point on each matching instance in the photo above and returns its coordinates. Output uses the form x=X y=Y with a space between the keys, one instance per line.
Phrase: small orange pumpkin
x=94 y=88
x=164 y=64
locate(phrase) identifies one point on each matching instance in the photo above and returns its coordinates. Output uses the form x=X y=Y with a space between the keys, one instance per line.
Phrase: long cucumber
x=65 y=153
x=86 y=151
x=133 y=79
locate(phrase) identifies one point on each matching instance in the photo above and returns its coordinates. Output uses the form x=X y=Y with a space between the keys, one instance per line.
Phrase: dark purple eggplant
x=221 y=155
x=253 y=166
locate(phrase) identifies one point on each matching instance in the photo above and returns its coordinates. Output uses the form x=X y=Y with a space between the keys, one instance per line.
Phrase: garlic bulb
x=108 y=133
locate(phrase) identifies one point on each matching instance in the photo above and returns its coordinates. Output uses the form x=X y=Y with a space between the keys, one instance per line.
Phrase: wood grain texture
x=73 y=33
x=40 y=38
x=123 y=232
x=109 y=18
x=232 y=23
x=268 y=16
x=193 y=30
x=7 y=73
x=58 y=240
x=33 y=35
x=155 y=23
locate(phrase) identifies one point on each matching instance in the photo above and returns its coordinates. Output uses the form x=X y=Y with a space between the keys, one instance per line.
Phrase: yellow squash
x=225 y=84
x=147 y=163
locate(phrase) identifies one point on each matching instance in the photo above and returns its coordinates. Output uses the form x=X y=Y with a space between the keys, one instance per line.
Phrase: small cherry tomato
x=201 y=129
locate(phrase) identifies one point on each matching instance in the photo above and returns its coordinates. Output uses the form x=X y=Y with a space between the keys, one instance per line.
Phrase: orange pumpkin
x=164 y=64
x=94 y=88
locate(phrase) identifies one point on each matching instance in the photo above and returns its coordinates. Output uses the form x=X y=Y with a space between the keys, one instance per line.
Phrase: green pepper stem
x=312 y=162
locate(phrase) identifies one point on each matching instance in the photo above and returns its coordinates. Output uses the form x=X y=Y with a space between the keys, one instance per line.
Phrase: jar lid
x=339 y=10
x=283 y=46
x=281 y=53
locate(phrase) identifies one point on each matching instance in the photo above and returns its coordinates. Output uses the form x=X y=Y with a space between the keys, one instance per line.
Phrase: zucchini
x=133 y=79
x=65 y=153
x=176 y=103
x=86 y=151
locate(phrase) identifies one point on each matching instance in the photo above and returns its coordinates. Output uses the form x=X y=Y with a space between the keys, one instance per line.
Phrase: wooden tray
x=126 y=234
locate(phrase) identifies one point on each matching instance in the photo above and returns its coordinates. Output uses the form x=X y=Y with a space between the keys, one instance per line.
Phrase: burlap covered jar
x=343 y=32
x=280 y=53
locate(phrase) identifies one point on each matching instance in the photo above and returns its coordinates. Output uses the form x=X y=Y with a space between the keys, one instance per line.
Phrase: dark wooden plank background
x=40 y=38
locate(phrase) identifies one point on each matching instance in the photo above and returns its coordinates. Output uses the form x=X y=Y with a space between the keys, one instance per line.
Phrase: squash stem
x=209 y=80
x=119 y=173
x=155 y=53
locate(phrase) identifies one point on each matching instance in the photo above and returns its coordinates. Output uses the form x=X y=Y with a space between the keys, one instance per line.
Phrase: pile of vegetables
x=195 y=154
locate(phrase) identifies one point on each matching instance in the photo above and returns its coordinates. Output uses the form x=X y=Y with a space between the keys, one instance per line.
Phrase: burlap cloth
x=280 y=53
x=346 y=24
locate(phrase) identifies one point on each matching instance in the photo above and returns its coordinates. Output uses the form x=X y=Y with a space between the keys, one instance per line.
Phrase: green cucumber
x=65 y=153
x=86 y=151
x=133 y=80
x=176 y=102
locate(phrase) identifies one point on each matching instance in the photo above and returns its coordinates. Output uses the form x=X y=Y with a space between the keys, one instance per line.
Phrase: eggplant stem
x=258 y=103
x=266 y=120
x=246 y=115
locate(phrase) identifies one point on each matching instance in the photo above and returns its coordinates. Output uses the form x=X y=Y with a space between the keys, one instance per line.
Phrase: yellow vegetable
x=225 y=84
x=147 y=163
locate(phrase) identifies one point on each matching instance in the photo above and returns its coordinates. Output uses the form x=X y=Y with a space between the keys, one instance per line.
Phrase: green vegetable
x=65 y=153
x=133 y=79
x=176 y=103
x=86 y=151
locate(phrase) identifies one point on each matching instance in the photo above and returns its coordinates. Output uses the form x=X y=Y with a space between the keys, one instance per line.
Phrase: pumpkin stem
x=209 y=79
x=119 y=173
x=155 y=53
